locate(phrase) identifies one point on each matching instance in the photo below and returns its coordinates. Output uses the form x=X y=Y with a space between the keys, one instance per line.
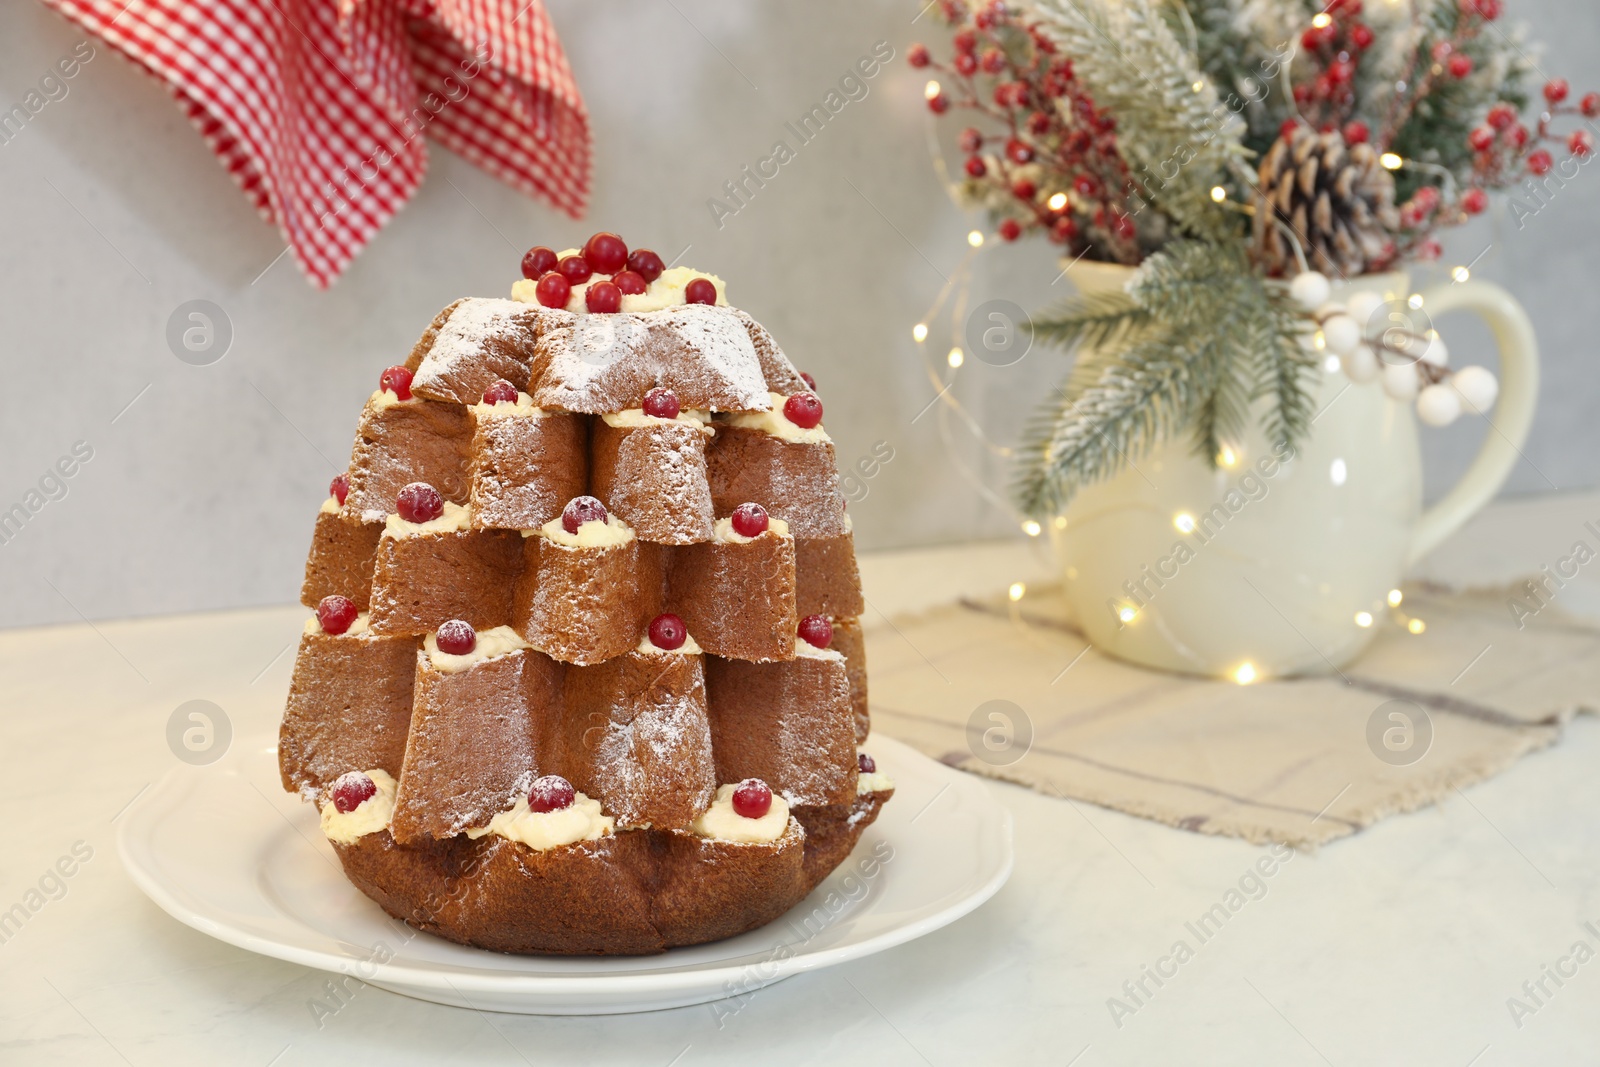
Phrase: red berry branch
x=1046 y=157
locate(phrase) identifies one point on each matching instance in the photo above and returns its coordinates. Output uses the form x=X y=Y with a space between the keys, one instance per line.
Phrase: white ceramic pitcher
x=1271 y=566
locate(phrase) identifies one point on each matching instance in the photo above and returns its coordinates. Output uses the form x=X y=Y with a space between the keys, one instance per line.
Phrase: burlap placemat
x=1012 y=690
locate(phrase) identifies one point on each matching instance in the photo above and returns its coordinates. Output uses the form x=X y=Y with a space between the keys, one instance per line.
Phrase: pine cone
x=1336 y=198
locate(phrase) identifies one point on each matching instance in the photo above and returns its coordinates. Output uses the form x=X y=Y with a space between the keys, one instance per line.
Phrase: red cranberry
x=1460 y=66
x=606 y=253
x=1581 y=143
x=553 y=291
x=1362 y=36
x=965 y=64
x=501 y=392
x=1480 y=139
x=631 y=282
x=752 y=799
x=668 y=631
x=1590 y=105
x=811 y=383
x=1555 y=90
x=575 y=269
x=579 y=510
x=1502 y=115
x=1023 y=189
x=603 y=298
x=866 y=764
x=339 y=488
x=803 y=409
x=335 y=613
x=700 y=291
x=661 y=403
x=646 y=264
x=538 y=262
x=456 y=637
x=551 y=793
x=994 y=61
x=1010 y=229
x=941 y=103
x=749 y=520
x=1019 y=151
x=1474 y=201
x=350 y=790
x=970 y=140
x=1357 y=132
x=396 y=380
x=1539 y=162
x=419 y=502
x=917 y=55
x=976 y=167
x=965 y=40
x=817 y=631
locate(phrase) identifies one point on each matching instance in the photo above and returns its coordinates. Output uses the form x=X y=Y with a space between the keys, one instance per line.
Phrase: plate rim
x=416 y=975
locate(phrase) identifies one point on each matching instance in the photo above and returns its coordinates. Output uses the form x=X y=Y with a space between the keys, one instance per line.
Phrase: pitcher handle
x=1510 y=419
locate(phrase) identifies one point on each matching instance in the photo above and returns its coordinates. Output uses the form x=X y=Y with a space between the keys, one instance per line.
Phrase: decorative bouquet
x=1238 y=153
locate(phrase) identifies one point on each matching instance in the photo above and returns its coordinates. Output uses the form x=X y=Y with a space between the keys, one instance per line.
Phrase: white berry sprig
x=1411 y=366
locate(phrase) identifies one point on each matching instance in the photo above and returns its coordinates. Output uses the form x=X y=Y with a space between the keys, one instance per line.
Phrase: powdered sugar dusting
x=484 y=339
x=606 y=363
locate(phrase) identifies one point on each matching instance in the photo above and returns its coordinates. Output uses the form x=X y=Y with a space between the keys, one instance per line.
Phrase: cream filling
x=452 y=519
x=804 y=648
x=723 y=530
x=635 y=417
x=876 y=782
x=542 y=830
x=523 y=407
x=689 y=647
x=665 y=292
x=330 y=506
x=492 y=644
x=382 y=399
x=591 y=534
x=723 y=823
x=357 y=629
x=774 y=422
x=370 y=816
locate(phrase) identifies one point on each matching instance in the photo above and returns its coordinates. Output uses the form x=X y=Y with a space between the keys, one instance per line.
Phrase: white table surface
x=1401 y=945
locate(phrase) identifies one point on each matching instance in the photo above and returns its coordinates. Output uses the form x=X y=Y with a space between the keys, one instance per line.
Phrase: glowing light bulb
x=1060 y=522
x=1391 y=161
x=1416 y=626
x=956 y=357
x=1363 y=619
x=1330 y=364
x=975 y=239
x=1198 y=85
x=1057 y=202
x=1016 y=591
x=1031 y=528
x=1227 y=457
x=930 y=90
x=1127 y=614
x=1461 y=274
x=1395 y=596
x=919 y=332
x=1414 y=302
x=1184 y=522
x=1322 y=19
x=1245 y=673
x=1218 y=193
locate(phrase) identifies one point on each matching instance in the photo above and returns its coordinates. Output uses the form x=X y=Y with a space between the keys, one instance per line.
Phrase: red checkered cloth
x=318 y=107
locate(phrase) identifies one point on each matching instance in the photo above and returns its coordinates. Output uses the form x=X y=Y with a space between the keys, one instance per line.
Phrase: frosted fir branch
x=1178 y=140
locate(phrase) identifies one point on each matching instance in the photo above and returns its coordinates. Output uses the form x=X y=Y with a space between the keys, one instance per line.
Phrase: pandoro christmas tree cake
x=586 y=672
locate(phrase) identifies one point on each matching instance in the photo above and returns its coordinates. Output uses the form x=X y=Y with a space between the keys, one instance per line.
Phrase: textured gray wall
x=201 y=493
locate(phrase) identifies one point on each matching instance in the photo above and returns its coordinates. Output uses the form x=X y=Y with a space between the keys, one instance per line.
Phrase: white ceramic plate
x=224 y=849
